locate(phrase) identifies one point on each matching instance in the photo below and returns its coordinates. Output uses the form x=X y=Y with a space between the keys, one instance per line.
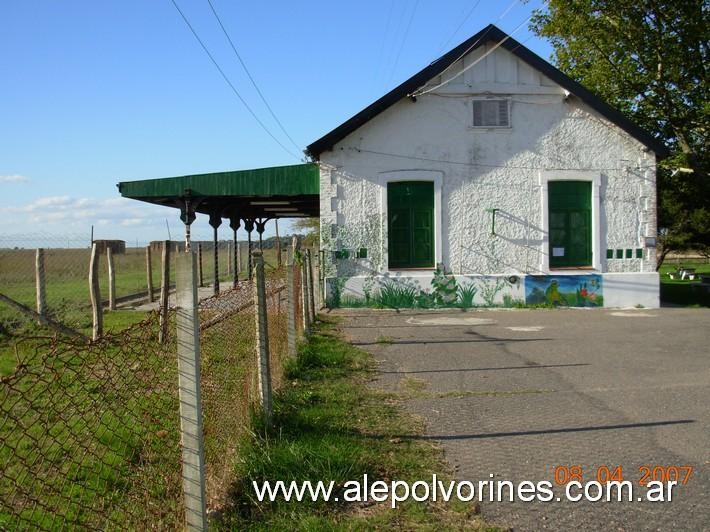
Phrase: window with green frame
x=410 y=224
x=570 y=223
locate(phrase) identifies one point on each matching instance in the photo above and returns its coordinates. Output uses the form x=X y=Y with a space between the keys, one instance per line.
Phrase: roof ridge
x=442 y=63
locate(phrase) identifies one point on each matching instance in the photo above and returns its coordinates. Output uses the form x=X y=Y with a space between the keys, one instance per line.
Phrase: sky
x=97 y=92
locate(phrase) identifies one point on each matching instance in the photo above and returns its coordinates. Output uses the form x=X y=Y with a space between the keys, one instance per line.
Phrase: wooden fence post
x=111 y=279
x=149 y=272
x=164 y=292
x=311 y=297
x=229 y=258
x=262 y=336
x=291 y=293
x=190 y=397
x=95 y=292
x=40 y=283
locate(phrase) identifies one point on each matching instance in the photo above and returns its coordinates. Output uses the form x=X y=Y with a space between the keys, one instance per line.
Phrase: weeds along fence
x=93 y=433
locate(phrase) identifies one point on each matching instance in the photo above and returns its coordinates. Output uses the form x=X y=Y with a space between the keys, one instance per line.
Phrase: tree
x=312 y=228
x=649 y=59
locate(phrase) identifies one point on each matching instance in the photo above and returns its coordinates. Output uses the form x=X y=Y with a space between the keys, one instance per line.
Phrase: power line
x=468 y=67
x=231 y=85
x=404 y=38
x=251 y=78
x=380 y=57
x=500 y=17
x=461 y=163
x=463 y=21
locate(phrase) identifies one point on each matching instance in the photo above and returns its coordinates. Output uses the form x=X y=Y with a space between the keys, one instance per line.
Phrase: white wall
x=552 y=136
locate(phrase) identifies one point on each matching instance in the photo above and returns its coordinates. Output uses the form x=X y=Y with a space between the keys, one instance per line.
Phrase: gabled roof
x=489 y=33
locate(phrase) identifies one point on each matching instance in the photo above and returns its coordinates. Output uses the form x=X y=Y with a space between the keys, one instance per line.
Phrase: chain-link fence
x=90 y=431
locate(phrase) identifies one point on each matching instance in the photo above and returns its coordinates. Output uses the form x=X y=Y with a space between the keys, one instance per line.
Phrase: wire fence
x=135 y=275
x=90 y=431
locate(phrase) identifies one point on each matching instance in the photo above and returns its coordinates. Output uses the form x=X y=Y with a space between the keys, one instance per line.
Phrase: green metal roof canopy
x=276 y=192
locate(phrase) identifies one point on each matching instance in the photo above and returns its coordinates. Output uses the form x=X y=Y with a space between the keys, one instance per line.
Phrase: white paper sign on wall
x=558 y=252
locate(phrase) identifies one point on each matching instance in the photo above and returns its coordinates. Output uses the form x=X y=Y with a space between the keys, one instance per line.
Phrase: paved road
x=516 y=393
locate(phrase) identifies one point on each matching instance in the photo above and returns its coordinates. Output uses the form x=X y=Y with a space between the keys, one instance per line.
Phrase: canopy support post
x=260 y=227
x=234 y=223
x=215 y=222
x=249 y=226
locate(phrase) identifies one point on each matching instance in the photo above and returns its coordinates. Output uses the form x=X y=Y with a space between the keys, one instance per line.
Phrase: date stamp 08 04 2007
x=564 y=474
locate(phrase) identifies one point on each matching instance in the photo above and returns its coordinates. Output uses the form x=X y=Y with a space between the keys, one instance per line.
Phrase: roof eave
x=490 y=32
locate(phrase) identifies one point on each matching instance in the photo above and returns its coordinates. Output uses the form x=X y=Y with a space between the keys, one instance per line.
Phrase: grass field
x=67 y=286
x=684 y=292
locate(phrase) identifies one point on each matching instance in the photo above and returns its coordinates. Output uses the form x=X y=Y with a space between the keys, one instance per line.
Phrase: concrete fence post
x=164 y=292
x=291 y=294
x=190 y=397
x=262 y=336
x=149 y=273
x=40 y=286
x=311 y=290
x=199 y=259
x=111 y=279
x=95 y=293
x=304 y=296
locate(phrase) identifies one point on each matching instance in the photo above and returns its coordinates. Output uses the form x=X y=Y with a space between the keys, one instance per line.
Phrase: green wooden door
x=410 y=212
x=570 y=223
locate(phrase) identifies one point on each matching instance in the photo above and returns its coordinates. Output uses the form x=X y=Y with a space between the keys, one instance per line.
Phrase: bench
x=683 y=274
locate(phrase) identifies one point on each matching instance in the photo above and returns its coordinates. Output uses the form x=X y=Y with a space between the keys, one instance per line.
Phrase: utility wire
x=251 y=78
x=453 y=34
x=404 y=38
x=468 y=67
x=484 y=165
x=231 y=85
x=500 y=17
x=380 y=57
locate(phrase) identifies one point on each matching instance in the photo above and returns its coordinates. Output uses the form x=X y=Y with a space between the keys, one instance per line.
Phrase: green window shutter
x=570 y=223
x=410 y=209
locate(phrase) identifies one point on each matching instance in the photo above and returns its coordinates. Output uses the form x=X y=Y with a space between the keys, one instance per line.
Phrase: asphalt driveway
x=518 y=393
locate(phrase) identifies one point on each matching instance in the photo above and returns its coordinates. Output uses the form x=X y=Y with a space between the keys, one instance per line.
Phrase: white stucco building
x=489 y=177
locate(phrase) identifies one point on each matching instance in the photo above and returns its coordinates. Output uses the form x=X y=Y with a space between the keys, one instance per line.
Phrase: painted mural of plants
x=466 y=295
x=511 y=302
x=444 y=287
x=394 y=295
x=490 y=288
x=336 y=292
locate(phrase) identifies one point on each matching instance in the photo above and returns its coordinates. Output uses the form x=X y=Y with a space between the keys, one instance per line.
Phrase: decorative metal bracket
x=188 y=205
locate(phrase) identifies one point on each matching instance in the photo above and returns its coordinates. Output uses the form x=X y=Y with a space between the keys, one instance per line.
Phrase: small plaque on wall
x=558 y=252
x=650 y=241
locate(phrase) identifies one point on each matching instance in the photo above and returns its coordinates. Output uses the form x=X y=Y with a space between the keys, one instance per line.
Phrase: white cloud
x=14 y=178
x=78 y=213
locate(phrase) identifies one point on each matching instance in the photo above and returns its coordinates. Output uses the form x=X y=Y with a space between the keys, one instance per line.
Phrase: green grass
x=684 y=292
x=91 y=431
x=329 y=425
